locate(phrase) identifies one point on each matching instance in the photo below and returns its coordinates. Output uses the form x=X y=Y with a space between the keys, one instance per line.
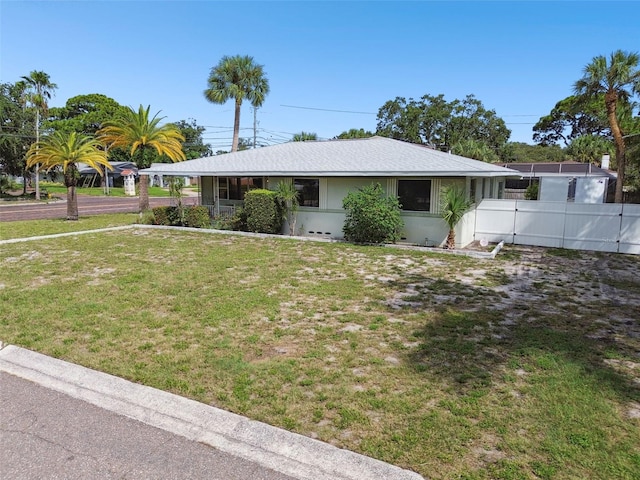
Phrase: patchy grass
x=35 y=228
x=522 y=367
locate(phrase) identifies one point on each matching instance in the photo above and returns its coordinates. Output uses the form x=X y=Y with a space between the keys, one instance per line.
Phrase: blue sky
x=518 y=58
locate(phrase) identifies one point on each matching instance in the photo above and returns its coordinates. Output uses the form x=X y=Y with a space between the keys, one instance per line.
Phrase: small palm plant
x=454 y=205
x=288 y=194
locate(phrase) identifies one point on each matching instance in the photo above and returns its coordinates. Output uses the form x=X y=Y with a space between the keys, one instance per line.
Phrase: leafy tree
x=355 y=133
x=194 y=146
x=85 y=114
x=589 y=148
x=434 y=121
x=454 y=205
x=16 y=128
x=40 y=89
x=571 y=118
x=65 y=151
x=139 y=133
x=237 y=78
x=617 y=80
x=371 y=216
x=304 y=136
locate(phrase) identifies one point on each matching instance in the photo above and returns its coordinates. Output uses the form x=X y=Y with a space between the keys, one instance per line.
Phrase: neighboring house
x=91 y=178
x=324 y=172
x=564 y=181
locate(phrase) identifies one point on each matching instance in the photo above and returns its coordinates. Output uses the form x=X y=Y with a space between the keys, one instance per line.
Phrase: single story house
x=90 y=177
x=324 y=172
x=562 y=181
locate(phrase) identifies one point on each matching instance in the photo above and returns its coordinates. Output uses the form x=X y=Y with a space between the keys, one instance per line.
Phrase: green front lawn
x=34 y=228
x=523 y=367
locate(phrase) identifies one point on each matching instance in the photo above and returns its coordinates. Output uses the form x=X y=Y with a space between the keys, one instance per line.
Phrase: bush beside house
x=264 y=211
x=371 y=216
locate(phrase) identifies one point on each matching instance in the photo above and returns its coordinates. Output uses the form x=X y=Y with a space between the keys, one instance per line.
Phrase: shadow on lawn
x=473 y=335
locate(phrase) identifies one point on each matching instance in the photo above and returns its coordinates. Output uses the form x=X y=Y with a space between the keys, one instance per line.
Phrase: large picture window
x=415 y=195
x=308 y=191
x=234 y=188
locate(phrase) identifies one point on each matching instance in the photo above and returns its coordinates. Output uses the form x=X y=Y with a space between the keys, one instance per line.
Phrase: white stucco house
x=324 y=172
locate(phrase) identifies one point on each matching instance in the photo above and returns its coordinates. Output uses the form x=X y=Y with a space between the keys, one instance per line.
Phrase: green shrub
x=193 y=216
x=161 y=216
x=197 y=217
x=239 y=220
x=264 y=211
x=147 y=218
x=371 y=216
x=531 y=193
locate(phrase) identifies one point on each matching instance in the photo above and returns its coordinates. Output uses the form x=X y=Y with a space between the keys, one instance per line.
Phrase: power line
x=328 y=110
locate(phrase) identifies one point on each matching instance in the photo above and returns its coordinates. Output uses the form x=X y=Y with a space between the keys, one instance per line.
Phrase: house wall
x=328 y=220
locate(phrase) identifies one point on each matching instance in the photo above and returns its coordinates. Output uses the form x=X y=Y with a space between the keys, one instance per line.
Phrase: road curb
x=286 y=452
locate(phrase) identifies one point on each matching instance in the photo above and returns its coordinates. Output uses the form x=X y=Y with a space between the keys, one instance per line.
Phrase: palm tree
x=454 y=205
x=237 y=78
x=304 y=136
x=138 y=133
x=66 y=150
x=618 y=80
x=40 y=91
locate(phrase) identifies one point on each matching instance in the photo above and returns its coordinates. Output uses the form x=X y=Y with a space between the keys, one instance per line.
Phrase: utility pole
x=255 y=123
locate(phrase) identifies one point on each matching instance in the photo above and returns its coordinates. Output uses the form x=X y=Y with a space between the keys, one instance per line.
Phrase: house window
x=308 y=191
x=234 y=188
x=472 y=190
x=415 y=195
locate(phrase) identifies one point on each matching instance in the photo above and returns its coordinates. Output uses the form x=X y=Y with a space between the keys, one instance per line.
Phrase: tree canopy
x=571 y=118
x=355 y=133
x=304 y=136
x=432 y=120
x=17 y=125
x=194 y=146
x=85 y=114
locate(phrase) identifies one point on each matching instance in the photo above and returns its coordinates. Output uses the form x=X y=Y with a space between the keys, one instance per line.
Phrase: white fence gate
x=608 y=227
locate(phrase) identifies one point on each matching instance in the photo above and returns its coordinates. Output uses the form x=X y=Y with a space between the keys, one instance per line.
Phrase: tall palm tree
x=454 y=205
x=66 y=150
x=40 y=90
x=237 y=78
x=618 y=79
x=138 y=133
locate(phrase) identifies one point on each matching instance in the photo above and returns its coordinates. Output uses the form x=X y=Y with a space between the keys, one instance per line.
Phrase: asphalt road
x=46 y=434
x=87 y=205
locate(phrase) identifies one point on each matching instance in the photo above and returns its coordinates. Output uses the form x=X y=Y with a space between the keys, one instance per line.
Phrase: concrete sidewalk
x=60 y=420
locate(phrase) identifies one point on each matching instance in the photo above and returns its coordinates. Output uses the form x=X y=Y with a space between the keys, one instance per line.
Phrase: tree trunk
x=72 y=203
x=144 y=193
x=236 y=127
x=610 y=100
x=37 y=164
x=451 y=240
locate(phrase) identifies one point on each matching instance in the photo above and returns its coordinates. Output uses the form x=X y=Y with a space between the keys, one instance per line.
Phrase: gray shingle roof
x=364 y=157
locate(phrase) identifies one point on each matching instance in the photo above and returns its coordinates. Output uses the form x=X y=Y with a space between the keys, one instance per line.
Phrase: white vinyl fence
x=608 y=227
